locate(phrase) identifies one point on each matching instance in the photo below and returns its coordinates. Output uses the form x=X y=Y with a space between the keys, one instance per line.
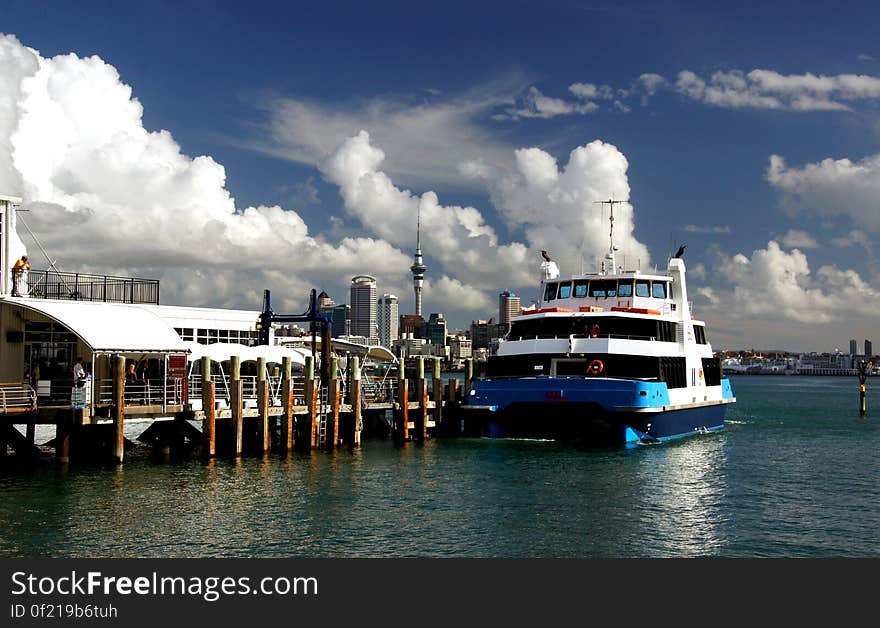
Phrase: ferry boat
x=614 y=357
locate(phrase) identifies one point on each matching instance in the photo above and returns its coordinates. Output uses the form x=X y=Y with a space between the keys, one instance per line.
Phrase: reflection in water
x=783 y=479
x=682 y=487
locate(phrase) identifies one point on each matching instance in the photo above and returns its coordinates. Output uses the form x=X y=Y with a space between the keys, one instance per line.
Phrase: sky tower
x=418 y=268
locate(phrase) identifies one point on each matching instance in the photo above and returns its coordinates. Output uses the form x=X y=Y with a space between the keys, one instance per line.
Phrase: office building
x=387 y=318
x=363 y=307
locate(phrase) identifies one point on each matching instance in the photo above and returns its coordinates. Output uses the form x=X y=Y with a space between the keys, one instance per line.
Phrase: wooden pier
x=290 y=413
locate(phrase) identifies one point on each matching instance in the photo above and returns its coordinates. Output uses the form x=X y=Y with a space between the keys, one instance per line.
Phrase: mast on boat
x=609 y=257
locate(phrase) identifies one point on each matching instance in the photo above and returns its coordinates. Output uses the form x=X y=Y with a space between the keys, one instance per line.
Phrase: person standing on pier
x=19 y=276
x=79 y=373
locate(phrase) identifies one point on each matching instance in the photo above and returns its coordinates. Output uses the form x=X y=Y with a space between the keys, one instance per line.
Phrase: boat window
x=564 y=290
x=642 y=289
x=580 y=288
x=659 y=290
x=603 y=288
x=550 y=291
x=625 y=289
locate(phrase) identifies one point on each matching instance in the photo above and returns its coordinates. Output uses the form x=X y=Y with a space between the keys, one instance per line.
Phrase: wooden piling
x=332 y=432
x=209 y=425
x=421 y=422
x=287 y=421
x=353 y=438
x=119 y=416
x=437 y=395
x=307 y=440
x=236 y=402
x=263 y=406
x=468 y=377
x=401 y=422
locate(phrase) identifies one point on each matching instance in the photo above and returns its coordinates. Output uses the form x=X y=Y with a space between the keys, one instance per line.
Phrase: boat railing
x=614 y=337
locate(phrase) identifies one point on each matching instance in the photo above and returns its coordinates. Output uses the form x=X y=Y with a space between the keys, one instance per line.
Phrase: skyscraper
x=387 y=319
x=853 y=347
x=418 y=268
x=508 y=307
x=869 y=350
x=435 y=329
x=363 y=307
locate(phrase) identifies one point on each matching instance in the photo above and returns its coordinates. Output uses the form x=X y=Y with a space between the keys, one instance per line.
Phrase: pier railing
x=51 y=284
x=17 y=397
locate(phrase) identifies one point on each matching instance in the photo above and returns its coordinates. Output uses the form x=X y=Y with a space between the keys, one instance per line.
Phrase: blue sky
x=696 y=97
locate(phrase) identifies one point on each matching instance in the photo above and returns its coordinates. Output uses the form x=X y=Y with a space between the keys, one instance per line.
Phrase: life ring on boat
x=595 y=367
x=594 y=333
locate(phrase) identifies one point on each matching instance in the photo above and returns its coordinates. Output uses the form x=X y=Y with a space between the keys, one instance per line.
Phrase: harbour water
x=793 y=474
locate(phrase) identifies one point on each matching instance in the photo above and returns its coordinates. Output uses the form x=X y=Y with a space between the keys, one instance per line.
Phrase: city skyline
x=312 y=154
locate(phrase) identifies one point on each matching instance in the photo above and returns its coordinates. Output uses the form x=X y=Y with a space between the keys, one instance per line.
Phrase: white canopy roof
x=223 y=351
x=109 y=327
x=377 y=352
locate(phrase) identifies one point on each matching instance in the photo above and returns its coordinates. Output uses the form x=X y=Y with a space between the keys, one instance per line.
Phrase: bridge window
x=643 y=289
x=564 y=290
x=580 y=288
x=625 y=289
x=603 y=288
x=550 y=291
x=658 y=290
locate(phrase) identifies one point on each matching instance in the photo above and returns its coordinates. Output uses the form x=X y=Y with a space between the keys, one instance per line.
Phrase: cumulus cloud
x=795 y=238
x=774 y=283
x=102 y=192
x=458 y=237
x=557 y=207
x=832 y=187
x=766 y=89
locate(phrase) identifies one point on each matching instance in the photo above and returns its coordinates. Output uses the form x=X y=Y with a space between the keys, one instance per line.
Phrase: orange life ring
x=595 y=367
x=594 y=333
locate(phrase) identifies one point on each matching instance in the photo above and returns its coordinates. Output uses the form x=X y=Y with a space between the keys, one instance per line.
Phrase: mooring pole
x=331 y=433
x=421 y=423
x=236 y=401
x=437 y=394
x=863 y=393
x=287 y=405
x=119 y=416
x=308 y=432
x=401 y=422
x=263 y=405
x=209 y=423
x=355 y=397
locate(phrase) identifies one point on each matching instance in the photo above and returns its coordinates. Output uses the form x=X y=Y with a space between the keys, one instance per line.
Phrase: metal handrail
x=17 y=396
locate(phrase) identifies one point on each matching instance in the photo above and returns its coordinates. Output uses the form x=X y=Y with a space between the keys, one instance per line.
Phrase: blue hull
x=602 y=412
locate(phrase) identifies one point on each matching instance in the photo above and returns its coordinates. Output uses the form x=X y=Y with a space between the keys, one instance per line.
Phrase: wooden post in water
x=354 y=437
x=421 y=422
x=438 y=395
x=401 y=422
x=308 y=433
x=332 y=432
x=209 y=424
x=863 y=392
x=263 y=406
x=468 y=378
x=119 y=416
x=237 y=403
x=287 y=439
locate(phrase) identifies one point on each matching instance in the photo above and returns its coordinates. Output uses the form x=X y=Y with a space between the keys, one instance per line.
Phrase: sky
x=227 y=148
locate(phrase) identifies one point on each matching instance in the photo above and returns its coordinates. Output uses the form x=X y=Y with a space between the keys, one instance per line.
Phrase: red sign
x=177 y=366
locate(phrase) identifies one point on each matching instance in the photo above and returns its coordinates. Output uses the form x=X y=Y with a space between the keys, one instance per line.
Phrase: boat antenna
x=610 y=257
